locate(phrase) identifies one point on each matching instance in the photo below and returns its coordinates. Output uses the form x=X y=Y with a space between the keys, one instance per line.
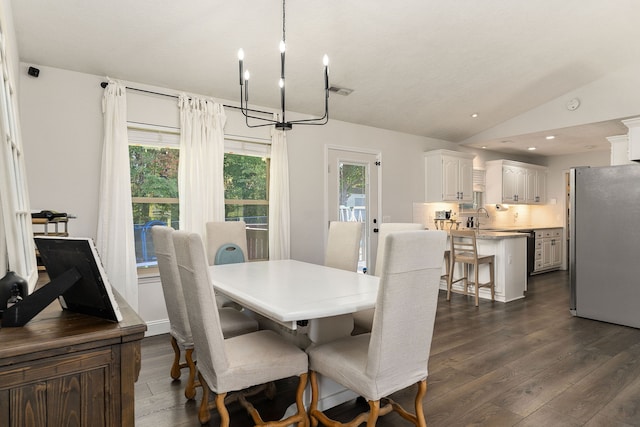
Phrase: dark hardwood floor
x=525 y=363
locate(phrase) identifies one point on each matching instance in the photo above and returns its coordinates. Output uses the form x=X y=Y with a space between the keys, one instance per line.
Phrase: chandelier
x=282 y=124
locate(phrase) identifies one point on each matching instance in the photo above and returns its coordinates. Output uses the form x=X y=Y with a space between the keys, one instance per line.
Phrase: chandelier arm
x=244 y=108
x=260 y=125
x=324 y=119
x=317 y=121
x=249 y=116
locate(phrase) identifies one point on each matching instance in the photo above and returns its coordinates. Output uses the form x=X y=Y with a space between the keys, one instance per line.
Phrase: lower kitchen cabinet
x=548 y=247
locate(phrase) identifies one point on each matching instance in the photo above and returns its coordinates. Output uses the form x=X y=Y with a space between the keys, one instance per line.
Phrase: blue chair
x=228 y=254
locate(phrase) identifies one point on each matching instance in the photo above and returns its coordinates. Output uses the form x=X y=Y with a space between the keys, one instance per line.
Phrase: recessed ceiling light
x=474 y=115
x=484 y=147
x=550 y=137
x=531 y=148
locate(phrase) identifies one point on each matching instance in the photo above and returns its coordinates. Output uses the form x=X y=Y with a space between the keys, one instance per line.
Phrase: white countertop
x=520 y=228
x=488 y=234
x=496 y=235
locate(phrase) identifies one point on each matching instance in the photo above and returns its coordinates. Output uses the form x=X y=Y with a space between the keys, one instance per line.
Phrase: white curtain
x=279 y=211
x=115 y=241
x=200 y=171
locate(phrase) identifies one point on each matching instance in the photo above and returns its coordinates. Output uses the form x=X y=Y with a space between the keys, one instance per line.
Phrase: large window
x=17 y=249
x=154 y=154
x=246 y=189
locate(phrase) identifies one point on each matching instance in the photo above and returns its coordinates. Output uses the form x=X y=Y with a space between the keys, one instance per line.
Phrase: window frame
x=18 y=247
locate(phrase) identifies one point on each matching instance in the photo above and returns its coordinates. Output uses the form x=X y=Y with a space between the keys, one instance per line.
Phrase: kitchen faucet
x=478 y=216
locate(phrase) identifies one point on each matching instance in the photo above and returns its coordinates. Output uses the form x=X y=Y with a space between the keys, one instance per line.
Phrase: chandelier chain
x=283 y=22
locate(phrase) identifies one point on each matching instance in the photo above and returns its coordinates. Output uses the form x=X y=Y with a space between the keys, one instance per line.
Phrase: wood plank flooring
x=524 y=363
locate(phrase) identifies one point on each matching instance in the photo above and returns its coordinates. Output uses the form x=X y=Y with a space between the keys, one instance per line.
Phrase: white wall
x=61 y=114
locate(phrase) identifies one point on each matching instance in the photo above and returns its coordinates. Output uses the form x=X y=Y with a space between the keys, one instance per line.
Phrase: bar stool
x=447 y=265
x=465 y=251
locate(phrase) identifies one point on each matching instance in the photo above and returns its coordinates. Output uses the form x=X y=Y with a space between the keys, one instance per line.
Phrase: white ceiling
x=416 y=66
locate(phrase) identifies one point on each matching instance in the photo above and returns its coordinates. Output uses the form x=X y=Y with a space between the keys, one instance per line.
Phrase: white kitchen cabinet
x=448 y=176
x=535 y=186
x=515 y=182
x=548 y=247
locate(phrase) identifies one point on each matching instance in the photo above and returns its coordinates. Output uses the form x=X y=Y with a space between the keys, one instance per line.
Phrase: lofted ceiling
x=415 y=66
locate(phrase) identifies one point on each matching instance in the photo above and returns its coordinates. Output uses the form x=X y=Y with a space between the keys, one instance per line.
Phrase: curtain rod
x=105 y=84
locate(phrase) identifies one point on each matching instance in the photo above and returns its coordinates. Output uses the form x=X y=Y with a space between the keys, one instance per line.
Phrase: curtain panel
x=200 y=170
x=279 y=205
x=115 y=240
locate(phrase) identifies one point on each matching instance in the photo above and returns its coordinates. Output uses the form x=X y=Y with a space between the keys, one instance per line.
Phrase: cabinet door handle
x=461 y=195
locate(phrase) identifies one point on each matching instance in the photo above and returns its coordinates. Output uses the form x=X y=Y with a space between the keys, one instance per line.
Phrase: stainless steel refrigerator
x=605 y=243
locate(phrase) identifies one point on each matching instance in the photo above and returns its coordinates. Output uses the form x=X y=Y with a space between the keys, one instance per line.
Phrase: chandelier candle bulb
x=325 y=61
x=240 y=63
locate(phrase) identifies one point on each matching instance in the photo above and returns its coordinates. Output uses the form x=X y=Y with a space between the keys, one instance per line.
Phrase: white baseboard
x=157 y=327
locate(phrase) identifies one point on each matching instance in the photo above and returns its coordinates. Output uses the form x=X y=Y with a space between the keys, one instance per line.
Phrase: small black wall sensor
x=33 y=71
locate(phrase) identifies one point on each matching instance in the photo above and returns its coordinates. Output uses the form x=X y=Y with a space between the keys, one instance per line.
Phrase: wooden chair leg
x=302 y=384
x=465 y=282
x=314 y=398
x=203 y=414
x=493 y=280
x=190 y=388
x=422 y=390
x=476 y=276
x=449 y=284
x=175 y=367
x=222 y=409
x=374 y=410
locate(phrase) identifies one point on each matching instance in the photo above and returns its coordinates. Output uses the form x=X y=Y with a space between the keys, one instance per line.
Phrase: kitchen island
x=510 y=251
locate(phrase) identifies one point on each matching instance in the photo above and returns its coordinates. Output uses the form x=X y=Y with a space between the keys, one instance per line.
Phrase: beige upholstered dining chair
x=464 y=251
x=219 y=235
x=395 y=354
x=343 y=245
x=233 y=364
x=363 y=320
x=233 y=322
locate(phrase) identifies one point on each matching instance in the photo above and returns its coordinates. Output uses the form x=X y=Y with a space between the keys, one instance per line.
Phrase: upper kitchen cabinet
x=515 y=182
x=448 y=176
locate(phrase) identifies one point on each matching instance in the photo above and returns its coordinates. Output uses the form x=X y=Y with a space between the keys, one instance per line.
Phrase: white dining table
x=295 y=293
x=301 y=296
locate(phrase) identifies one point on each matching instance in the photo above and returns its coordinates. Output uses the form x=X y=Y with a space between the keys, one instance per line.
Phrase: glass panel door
x=353 y=196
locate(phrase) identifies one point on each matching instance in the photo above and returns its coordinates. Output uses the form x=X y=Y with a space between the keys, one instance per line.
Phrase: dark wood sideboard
x=69 y=369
